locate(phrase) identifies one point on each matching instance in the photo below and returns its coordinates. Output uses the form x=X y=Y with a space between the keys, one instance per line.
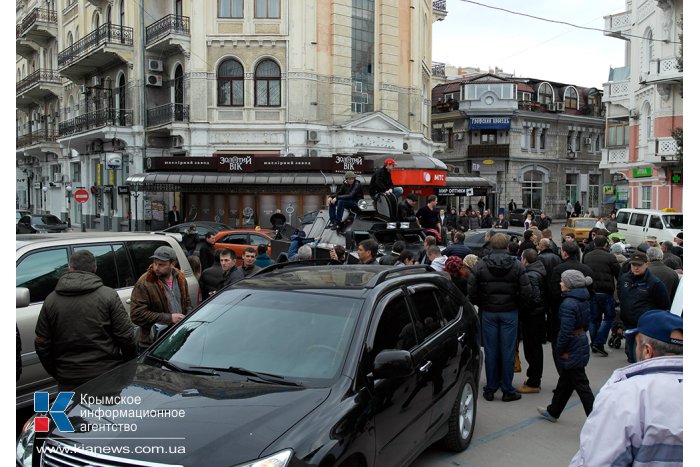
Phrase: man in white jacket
x=637 y=417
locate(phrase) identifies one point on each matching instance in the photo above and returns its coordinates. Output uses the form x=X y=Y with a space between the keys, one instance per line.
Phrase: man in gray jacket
x=83 y=329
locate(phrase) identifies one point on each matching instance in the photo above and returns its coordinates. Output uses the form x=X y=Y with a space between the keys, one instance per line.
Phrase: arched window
x=646 y=129
x=95 y=21
x=545 y=93
x=571 y=98
x=179 y=93
x=647 y=50
x=121 y=98
x=69 y=39
x=268 y=84
x=230 y=83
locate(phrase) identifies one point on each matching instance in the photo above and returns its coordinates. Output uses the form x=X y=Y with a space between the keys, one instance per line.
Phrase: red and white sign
x=81 y=196
x=419 y=177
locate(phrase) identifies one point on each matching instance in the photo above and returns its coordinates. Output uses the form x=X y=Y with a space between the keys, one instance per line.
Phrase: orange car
x=579 y=226
x=239 y=240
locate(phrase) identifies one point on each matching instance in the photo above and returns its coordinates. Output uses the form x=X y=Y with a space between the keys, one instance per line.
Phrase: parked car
x=240 y=239
x=579 y=226
x=518 y=216
x=203 y=228
x=475 y=240
x=362 y=365
x=636 y=224
x=42 y=259
x=40 y=223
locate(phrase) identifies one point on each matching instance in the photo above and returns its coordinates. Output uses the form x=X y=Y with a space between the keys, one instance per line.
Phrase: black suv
x=297 y=365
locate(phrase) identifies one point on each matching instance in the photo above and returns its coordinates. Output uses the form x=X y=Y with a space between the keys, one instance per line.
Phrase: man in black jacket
x=532 y=317
x=381 y=181
x=212 y=276
x=231 y=274
x=457 y=248
x=499 y=285
x=406 y=212
x=606 y=270
x=206 y=252
x=83 y=329
x=544 y=221
x=501 y=223
x=348 y=195
x=527 y=242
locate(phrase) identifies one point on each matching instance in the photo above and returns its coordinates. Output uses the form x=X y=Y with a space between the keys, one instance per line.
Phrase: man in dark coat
x=577 y=208
x=512 y=206
x=532 y=318
x=190 y=239
x=457 y=248
x=381 y=180
x=527 y=242
x=231 y=273
x=405 y=211
x=547 y=233
x=206 y=252
x=639 y=291
x=606 y=270
x=211 y=277
x=348 y=195
x=499 y=286
x=174 y=217
x=501 y=223
x=670 y=259
x=658 y=268
x=463 y=220
x=543 y=222
x=487 y=220
x=83 y=329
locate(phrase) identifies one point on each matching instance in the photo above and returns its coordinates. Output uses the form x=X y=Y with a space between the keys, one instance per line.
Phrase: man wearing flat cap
x=160 y=295
x=639 y=291
x=638 y=414
x=349 y=193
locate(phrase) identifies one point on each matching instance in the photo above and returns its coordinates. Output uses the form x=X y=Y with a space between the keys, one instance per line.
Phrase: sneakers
x=600 y=349
x=525 y=389
x=511 y=396
x=333 y=226
x=546 y=415
x=488 y=395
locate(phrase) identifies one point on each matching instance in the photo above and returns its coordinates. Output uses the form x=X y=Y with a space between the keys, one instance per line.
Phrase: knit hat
x=453 y=265
x=350 y=175
x=470 y=261
x=574 y=279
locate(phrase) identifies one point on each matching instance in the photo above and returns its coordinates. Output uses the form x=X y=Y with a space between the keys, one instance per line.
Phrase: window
x=395 y=329
x=543 y=138
x=39 y=272
x=593 y=191
x=268 y=91
x=234 y=239
x=640 y=220
x=362 y=58
x=140 y=253
x=230 y=8
x=112 y=265
x=545 y=93
x=69 y=39
x=532 y=184
x=646 y=198
x=426 y=306
x=488 y=136
x=256 y=240
x=618 y=133
x=230 y=84
x=623 y=217
x=267 y=8
x=655 y=223
x=571 y=98
x=450 y=307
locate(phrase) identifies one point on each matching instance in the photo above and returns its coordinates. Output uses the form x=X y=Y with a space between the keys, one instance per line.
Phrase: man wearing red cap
x=381 y=180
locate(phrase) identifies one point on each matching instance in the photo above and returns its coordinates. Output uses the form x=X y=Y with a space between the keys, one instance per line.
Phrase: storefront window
x=572 y=188
x=533 y=189
x=593 y=191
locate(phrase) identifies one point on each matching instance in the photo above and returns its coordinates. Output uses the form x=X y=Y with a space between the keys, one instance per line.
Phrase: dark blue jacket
x=457 y=249
x=639 y=294
x=296 y=243
x=574 y=315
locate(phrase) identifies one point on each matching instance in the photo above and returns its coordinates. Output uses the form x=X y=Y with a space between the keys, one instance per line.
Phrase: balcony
x=439 y=9
x=168 y=35
x=666 y=150
x=613 y=156
x=662 y=71
x=617 y=89
x=37 y=143
x=94 y=120
x=39 y=85
x=102 y=48
x=618 y=25
x=39 y=25
x=488 y=151
x=166 y=114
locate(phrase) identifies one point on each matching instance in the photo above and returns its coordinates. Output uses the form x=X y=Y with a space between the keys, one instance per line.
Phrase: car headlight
x=25 y=444
x=281 y=459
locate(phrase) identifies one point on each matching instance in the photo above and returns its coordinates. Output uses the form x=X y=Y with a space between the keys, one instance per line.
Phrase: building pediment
x=375 y=121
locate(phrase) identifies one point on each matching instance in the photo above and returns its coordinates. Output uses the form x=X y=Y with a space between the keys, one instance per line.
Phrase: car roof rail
x=384 y=275
x=297 y=263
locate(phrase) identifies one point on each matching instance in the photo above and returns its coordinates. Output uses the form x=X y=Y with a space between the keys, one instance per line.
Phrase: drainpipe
x=143 y=98
x=286 y=93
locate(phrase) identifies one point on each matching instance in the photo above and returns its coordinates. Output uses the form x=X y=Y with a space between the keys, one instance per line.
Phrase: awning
x=236 y=182
x=468 y=181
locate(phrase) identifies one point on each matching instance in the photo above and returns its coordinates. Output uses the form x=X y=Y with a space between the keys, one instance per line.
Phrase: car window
x=395 y=329
x=50 y=220
x=427 y=308
x=638 y=219
x=623 y=217
x=141 y=252
x=585 y=223
x=202 y=231
x=449 y=307
x=112 y=264
x=234 y=239
x=39 y=272
x=673 y=221
x=655 y=223
x=256 y=240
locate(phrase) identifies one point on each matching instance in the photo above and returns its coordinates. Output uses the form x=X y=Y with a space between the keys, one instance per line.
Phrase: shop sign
x=419 y=177
x=489 y=123
x=180 y=163
x=455 y=191
x=342 y=164
x=234 y=163
x=608 y=190
x=249 y=163
x=641 y=172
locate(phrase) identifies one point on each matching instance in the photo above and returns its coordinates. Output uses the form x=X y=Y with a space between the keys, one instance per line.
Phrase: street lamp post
x=44 y=189
x=136 y=210
x=69 y=190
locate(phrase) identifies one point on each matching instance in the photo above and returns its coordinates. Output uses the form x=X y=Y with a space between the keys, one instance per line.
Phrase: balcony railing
x=171 y=24
x=36 y=137
x=615 y=155
x=96 y=119
x=488 y=150
x=107 y=33
x=439 y=69
x=168 y=113
x=41 y=75
x=617 y=24
x=440 y=6
x=37 y=14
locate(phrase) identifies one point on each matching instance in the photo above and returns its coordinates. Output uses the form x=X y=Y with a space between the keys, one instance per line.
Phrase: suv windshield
x=673 y=221
x=286 y=333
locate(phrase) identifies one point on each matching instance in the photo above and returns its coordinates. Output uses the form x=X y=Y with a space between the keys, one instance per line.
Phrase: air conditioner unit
x=560 y=106
x=312 y=152
x=83 y=89
x=312 y=136
x=155 y=65
x=96 y=81
x=551 y=106
x=459 y=136
x=587 y=141
x=154 y=80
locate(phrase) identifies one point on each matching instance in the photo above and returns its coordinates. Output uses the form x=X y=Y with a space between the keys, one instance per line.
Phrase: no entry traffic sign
x=81 y=196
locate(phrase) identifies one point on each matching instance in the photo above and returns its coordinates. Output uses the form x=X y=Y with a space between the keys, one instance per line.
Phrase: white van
x=636 y=224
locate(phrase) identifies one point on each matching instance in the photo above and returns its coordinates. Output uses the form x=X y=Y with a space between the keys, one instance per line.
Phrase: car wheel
x=462 y=418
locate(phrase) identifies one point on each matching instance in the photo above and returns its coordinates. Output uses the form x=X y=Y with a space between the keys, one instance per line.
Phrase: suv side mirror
x=389 y=364
x=22 y=297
